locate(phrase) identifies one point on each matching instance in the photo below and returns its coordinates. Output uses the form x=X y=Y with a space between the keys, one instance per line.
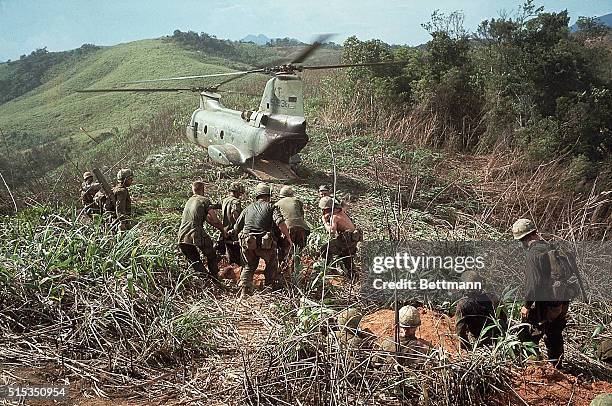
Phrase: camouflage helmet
x=349 y=318
x=236 y=187
x=522 y=228
x=286 y=191
x=326 y=202
x=124 y=174
x=409 y=317
x=262 y=189
x=87 y=175
x=604 y=399
x=471 y=276
x=323 y=188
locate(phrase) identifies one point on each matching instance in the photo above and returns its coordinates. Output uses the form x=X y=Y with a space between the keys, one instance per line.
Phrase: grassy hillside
x=55 y=110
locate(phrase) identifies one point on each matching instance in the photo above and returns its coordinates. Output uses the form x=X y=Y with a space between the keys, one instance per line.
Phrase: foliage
x=21 y=76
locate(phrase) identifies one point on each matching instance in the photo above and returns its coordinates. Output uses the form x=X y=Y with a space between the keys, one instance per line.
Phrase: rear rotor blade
x=309 y=50
x=214 y=75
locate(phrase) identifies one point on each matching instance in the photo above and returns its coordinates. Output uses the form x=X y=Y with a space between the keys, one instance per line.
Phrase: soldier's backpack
x=563 y=274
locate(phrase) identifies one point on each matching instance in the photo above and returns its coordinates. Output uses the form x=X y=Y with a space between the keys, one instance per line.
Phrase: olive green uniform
x=191 y=235
x=257 y=229
x=292 y=210
x=412 y=351
x=123 y=206
x=88 y=191
x=604 y=352
x=231 y=207
x=546 y=318
x=475 y=311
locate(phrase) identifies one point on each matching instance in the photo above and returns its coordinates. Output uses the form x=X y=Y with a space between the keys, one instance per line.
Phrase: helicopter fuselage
x=232 y=137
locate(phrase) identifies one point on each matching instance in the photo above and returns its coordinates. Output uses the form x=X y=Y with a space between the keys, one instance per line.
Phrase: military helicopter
x=266 y=141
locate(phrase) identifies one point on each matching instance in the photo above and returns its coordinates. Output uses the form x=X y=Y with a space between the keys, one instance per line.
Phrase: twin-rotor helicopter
x=266 y=141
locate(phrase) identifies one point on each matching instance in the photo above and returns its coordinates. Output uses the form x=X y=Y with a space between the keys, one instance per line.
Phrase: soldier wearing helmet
x=292 y=210
x=348 y=334
x=123 y=202
x=344 y=235
x=412 y=350
x=89 y=188
x=258 y=229
x=231 y=207
x=544 y=317
x=193 y=238
x=475 y=312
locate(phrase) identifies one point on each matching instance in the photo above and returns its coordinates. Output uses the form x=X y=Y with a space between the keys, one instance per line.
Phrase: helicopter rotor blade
x=301 y=57
x=150 y=90
x=349 y=65
x=214 y=75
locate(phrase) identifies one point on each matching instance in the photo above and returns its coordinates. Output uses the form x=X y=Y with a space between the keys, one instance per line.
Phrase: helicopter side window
x=292 y=99
x=221 y=134
x=195 y=129
x=205 y=129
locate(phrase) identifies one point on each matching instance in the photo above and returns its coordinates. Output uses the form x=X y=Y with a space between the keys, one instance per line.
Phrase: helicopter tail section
x=271 y=171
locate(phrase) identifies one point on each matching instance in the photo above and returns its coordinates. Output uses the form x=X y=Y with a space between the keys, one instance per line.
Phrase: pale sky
x=26 y=25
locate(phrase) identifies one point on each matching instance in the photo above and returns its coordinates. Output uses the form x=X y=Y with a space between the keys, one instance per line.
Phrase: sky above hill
x=67 y=24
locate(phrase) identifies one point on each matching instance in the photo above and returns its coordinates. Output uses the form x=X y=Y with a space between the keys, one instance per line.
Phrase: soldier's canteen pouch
x=266 y=241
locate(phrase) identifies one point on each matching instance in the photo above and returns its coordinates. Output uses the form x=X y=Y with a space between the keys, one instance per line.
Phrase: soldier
x=324 y=191
x=257 y=232
x=192 y=235
x=345 y=235
x=475 y=311
x=122 y=200
x=231 y=208
x=89 y=188
x=349 y=337
x=546 y=318
x=292 y=210
x=604 y=352
x=412 y=350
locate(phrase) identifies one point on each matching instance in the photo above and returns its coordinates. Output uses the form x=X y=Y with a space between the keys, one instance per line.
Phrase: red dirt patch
x=543 y=385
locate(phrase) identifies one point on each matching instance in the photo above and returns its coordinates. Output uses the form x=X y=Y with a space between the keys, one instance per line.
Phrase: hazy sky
x=66 y=24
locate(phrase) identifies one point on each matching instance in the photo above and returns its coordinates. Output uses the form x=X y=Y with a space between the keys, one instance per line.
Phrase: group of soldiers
x=263 y=230
x=114 y=204
x=272 y=231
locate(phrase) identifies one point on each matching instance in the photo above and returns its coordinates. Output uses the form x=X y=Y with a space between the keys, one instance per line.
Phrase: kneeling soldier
x=412 y=350
x=231 y=207
x=475 y=311
x=257 y=229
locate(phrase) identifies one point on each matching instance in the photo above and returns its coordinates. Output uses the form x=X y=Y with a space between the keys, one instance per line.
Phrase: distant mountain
x=257 y=39
x=605 y=19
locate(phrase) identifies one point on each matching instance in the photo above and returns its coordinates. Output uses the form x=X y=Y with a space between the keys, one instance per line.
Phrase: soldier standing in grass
x=476 y=311
x=231 y=207
x=257 y=229
x=89 y=188
x=122 y=200
x=546 y=316
x=192 y=236
x=292 y=210
x=345 y=235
